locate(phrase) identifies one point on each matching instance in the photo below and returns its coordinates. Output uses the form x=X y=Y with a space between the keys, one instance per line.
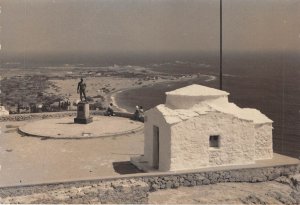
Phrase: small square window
x=214 y=141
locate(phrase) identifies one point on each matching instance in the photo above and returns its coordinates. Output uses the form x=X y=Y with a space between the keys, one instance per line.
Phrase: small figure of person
x=110 y=111
x=141 y=116
x=81 y=89
x=139 y=113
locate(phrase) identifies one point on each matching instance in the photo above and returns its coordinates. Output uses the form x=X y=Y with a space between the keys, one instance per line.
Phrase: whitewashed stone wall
x=185 y=145
x=190 y=142
x=154 y=118
x=263 y=141
x=194 y=113
x=187 y=102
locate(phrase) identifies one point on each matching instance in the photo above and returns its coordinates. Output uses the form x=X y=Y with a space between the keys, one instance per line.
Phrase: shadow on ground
x=65 y=123
x=125 y=167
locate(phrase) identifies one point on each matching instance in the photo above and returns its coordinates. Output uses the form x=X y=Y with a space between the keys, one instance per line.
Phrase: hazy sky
x=108 y=26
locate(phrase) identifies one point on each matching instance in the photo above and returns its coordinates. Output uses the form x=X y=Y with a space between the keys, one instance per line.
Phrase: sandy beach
x=115 y=103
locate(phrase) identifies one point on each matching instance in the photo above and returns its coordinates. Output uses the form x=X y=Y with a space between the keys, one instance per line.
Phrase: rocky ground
x=283 y=190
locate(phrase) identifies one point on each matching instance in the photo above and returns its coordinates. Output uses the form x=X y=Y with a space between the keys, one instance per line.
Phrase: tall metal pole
x=221 y=47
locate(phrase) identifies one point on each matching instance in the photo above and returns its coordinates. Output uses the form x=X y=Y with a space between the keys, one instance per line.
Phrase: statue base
x=83 y=121
x=83 y=113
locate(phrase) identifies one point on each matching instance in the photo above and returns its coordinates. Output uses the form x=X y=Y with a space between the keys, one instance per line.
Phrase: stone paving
x=29 y=160
x=65 y=128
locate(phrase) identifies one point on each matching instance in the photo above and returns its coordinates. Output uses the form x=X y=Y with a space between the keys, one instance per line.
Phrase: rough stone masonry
x=135 y=189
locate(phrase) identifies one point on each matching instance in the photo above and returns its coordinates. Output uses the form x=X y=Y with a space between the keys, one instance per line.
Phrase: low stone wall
x=124 y=114
x=135 y=188
x=117 y=191
x=36 y=116
x=204 y=178
x=47 y=115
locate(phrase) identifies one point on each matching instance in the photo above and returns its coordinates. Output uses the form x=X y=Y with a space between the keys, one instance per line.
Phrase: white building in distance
x=3 y=111
x=197 y=127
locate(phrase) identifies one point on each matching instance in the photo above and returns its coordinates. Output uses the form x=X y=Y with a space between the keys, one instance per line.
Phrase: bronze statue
x=81 y=89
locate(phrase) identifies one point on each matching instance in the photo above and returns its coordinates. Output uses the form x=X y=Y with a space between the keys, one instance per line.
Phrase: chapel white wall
x=154 y=118
x=263 y=141
x=186 y=102
x=187 y=120
x=190 y=142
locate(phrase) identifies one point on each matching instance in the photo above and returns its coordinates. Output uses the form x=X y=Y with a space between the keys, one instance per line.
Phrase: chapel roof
x=197 y=90
x=175 y=115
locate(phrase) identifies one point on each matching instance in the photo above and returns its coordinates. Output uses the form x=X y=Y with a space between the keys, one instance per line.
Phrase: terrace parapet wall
x=135 y=188
x=48 y=115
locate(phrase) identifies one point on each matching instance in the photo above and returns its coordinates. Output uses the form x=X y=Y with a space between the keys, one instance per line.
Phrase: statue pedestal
x=83 y=113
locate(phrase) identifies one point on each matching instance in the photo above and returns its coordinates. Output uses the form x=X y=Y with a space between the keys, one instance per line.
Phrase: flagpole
x=221 y=47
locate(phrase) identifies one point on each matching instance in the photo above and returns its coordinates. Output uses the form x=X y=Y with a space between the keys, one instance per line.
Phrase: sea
x=269 y=82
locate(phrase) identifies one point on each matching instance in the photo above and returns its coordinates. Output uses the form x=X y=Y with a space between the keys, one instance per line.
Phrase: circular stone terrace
x=65 y=128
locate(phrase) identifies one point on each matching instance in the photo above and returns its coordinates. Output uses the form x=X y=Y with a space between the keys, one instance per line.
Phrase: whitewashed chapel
x=197 y=127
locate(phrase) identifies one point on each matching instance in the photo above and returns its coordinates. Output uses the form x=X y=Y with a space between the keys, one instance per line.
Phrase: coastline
x=115 y=102
x=115 y=97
